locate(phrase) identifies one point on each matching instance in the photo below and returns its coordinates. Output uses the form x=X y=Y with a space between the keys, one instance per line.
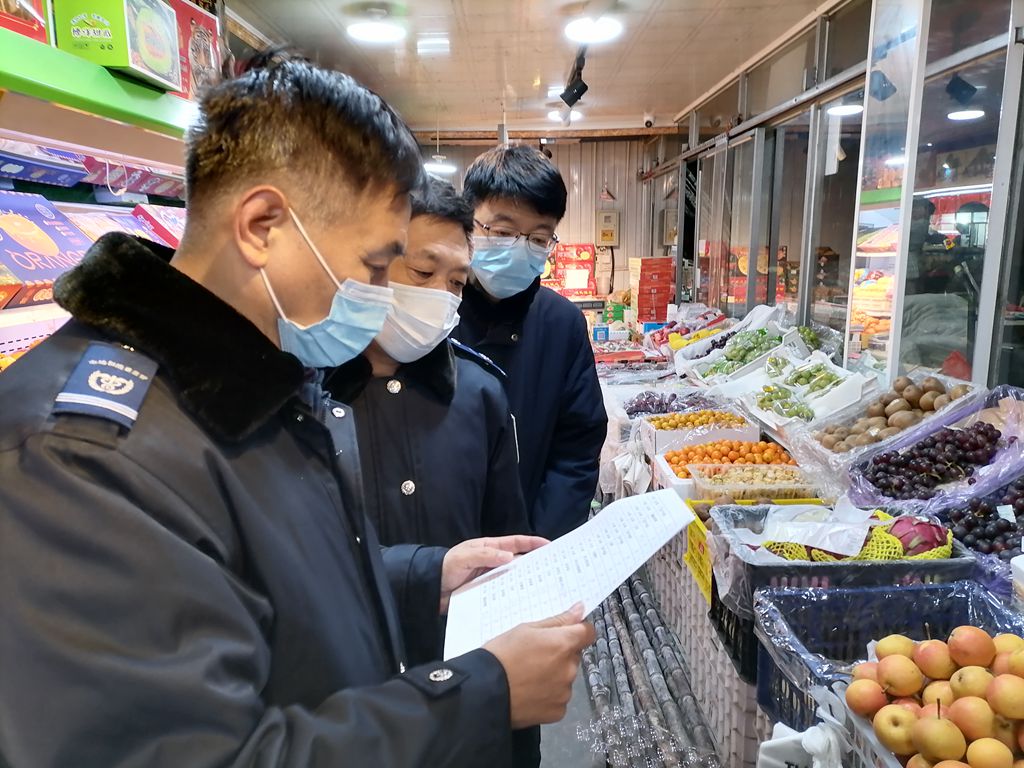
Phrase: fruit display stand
x=741 y=569
x=729 y=703
x=812 y=638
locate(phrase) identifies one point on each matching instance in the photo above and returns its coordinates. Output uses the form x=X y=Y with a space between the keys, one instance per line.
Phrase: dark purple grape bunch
x=719 y=342
x=949 y=455
x=988 y=527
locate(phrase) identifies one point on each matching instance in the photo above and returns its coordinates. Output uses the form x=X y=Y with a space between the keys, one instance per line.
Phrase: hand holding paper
x=585 y=565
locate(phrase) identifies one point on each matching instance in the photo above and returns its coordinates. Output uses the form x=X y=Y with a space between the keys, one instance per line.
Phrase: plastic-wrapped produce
x=934 y=467
x=836 y=443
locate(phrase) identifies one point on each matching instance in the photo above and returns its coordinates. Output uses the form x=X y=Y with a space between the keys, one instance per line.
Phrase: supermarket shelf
x=19 y=328
x=80 y=106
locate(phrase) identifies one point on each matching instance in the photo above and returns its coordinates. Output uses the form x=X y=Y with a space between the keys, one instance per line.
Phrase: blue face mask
x=505 y=266
x=357 y=314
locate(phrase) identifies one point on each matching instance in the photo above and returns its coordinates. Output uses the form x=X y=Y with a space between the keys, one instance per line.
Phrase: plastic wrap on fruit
x=933 y=467
x=776 y=367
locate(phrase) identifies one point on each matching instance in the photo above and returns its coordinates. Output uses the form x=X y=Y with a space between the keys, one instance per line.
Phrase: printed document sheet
x=586 y=565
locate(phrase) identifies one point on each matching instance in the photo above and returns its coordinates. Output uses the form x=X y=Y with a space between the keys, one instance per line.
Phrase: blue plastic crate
x=810 y=637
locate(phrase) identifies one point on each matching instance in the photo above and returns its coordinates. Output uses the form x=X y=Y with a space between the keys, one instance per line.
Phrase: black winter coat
x=539 y=339
x=190 y=580
x=437 y=446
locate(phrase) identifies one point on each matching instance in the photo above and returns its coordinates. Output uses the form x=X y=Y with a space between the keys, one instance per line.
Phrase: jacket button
x=408 y=488
x=338 y=413
x=394 y=386
x=441 y=675
x=515 y=337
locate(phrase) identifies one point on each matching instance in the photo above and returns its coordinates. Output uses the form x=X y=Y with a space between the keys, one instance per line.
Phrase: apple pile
x=953 y=704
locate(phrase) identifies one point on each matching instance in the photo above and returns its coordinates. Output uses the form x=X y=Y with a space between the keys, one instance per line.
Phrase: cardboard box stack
x=652 y=284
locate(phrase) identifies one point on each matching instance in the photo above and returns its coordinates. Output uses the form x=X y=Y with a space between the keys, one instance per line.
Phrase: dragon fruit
x=918 y=534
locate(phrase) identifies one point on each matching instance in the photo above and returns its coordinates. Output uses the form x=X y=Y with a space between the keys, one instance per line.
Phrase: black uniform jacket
x=438 y=448
x=539 y=339
x=201 y=587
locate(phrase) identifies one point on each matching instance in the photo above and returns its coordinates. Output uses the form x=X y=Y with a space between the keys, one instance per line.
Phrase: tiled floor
x=559 y=745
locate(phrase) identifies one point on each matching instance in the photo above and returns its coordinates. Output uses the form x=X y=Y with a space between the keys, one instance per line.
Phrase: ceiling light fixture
x=961 y=115
x=433 y=45
x=376 y=28
x=438 y=164
x=845 y=110
x=558 y=115
x=896 y=160
x=589 y=30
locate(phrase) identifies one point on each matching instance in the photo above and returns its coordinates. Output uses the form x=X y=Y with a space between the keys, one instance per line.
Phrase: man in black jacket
x=537 y=336
x=187 y=576
x=436 y=438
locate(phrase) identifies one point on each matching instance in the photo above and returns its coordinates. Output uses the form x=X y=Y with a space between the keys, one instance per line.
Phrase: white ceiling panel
x=507 y=53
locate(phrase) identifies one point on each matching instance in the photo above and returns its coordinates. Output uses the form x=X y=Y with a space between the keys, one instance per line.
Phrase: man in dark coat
x=435 y=433
x=187 y=575
x=536 y=336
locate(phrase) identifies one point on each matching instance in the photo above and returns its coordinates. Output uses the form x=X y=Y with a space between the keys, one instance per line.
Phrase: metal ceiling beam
x=429 y=137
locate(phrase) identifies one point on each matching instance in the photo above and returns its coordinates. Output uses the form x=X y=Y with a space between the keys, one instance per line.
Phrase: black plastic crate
x=810 y=637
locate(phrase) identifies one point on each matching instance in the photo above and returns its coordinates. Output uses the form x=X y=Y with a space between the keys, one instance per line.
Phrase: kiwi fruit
x=959 y=391
x=703 y=510
x=927 y=402
x=912 y=395
x=877 y=422
x=902 y=419
x=888 y=432
x=896 y=406
x=830 y=430
x=841 y=447
x=858 y=429
x=829 y=441
x=764 y=500
x=942 y=401
x=902 y=383
x=723 y=501
x=876 y=409
x=842 y=433
x=888 y=397
x=931 y=384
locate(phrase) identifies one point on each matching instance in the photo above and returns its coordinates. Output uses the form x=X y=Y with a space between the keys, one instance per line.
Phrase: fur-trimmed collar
x=228 y=374
x=436 y=370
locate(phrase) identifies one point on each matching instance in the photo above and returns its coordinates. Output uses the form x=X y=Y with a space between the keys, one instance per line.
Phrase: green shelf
x=34 y=69
x=878 y=196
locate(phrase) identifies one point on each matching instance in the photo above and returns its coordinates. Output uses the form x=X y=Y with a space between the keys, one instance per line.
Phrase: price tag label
x=1005 y=511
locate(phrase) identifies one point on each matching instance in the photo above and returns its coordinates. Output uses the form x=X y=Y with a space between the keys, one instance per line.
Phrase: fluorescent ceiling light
x=555 y=115
x=966 y=114
x=432 y=45
x=896 y=160
x=845 y=110
x=555 y=91
x=590 y=30
x=377 y=31
x=440 y=168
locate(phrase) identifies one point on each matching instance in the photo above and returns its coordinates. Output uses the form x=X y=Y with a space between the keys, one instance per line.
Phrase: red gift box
x=198 y=46
x=31 y=21
x=167 y=222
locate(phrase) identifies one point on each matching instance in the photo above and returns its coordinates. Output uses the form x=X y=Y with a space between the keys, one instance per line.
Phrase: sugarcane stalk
x=604 y=659
x=600 y=695
x=674 y=675
x=621 y=678
x=644 y=692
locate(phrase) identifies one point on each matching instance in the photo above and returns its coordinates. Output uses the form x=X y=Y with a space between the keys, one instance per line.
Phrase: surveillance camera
x=648 y=120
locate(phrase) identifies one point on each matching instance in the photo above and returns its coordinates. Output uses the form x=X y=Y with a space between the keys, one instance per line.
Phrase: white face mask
x=420 y=319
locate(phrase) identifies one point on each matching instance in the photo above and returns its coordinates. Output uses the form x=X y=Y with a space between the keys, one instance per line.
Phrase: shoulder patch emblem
x=109 y=382
x=478 y=357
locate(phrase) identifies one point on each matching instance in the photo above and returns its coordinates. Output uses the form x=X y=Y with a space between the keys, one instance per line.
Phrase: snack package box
x=141 y=179
x=198 y=49
x=28 y=162
x=167 y=222
x=30 y=18
x=37 y=245
x=139 y=37
x=574 y=267
x=95 y=224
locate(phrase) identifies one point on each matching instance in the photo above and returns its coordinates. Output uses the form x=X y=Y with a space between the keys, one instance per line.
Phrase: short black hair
x=519 y=173
x=285 y=116
x=440 y=200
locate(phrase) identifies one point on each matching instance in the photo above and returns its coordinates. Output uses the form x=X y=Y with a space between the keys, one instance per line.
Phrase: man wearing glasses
x=538 y=337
